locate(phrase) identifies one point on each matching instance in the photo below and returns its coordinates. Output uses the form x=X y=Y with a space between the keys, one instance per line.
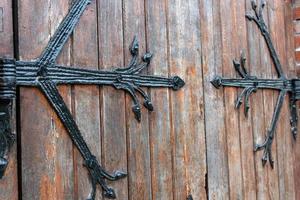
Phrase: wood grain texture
x=295 y=72
x=229 y=42
x=245 y=122
x=216 y=151
x=47 y=163
x=269 y=100
x=293 y=69
x=284 y=138
x=113 y=120
x=187 y=105
x=9 y=183
x=160 y=127
x=195 y=142
x=6 y=35
x=138 y=142
x=255 y=41
x=86 y=99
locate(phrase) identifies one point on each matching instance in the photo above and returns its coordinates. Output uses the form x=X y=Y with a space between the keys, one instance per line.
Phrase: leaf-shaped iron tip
x=137 y=112
x=147 y=57
x=294 y=131
x=236 y=64
x=217 y=82
x=243 y=57
x=253 y=4
x=177 y=82
x=119 y=175
x=134 y=47
x=249 y=16
x=148 y=104
x=264 y=161
x=263 y=3
x=109 y=193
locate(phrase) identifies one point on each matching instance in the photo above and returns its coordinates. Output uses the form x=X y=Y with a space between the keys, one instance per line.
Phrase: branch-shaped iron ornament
x=45 y=74
x=251 y=84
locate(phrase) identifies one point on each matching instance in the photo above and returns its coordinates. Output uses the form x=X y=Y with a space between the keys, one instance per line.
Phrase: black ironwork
x=46 y=75
x=252 y=84
x=189 y=197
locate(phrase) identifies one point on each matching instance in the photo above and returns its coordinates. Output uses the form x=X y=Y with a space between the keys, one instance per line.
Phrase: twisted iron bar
x=46 y=75
x=252 y=84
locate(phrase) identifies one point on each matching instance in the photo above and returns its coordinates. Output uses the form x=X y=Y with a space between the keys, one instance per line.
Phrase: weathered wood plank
x=229 y=42
x=292 y=70
x=161 y=149
x=284 y=137
x=187 y=105
x=113 y=124
x=47 y=163
x=9 y=183
x=6 y=29
x=217 y=167
x=245 y=122
x=164 y=154
x=86 y=99
x=269 y=98
x=257 y=110
x=296 y=144
x=138 y=143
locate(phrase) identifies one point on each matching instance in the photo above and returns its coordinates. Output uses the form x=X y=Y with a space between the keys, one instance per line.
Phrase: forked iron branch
x=46 y=75
x=252 y=84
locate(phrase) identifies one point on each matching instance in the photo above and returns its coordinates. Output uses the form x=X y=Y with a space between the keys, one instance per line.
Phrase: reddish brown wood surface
x=111 y=53
x=86 y=99
x=9 y=183
x=46 y=149
x=138 y=138
x=195 y=142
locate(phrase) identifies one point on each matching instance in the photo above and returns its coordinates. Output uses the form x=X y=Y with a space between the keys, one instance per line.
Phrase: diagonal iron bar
x=46 y=75
x=60 y=37
x=251 y=84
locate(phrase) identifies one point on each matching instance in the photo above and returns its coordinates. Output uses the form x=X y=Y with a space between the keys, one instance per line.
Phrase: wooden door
x=194 y=143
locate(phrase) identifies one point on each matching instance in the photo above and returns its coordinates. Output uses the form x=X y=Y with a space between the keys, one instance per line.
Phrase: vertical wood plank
x=110 y=33
x=290 y=46
x=291 y=71
x=171 y=143
x=47 y=163
x=187 y=105
x=6 y=29
x=246 y=134
x=269 y=101
x=284 y=137
x=160 y=130
x=86 y=98
x=9 y=183
x=229 y=42
x=217 y=167
x=137 y=133
x=257 y=108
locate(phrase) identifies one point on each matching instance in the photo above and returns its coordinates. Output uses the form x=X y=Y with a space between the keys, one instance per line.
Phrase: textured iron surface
x=252 y=84
x=7 y=138
x=46 y=75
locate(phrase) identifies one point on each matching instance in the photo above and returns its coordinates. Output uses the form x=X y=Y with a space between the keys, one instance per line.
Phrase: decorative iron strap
x=251 y=84
x=46 y=75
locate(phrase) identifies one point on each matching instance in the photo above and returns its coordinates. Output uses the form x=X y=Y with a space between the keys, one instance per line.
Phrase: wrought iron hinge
x=46 y=75
x=252 y=84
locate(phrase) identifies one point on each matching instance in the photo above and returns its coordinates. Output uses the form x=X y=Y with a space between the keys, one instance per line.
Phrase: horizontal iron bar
x=26 y=76
x=276 y=84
